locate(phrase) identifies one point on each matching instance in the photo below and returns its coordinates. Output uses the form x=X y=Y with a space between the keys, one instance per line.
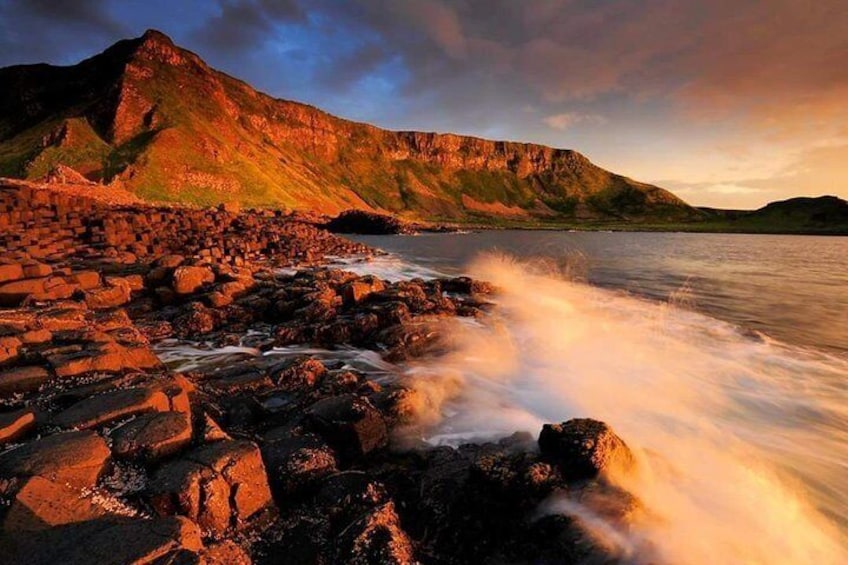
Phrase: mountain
x=821 y=215
x=153 y=118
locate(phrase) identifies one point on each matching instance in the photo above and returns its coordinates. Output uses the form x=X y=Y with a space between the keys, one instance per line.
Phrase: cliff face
x=157 y=120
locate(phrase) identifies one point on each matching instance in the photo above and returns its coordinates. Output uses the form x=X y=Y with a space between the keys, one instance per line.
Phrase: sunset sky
x=727 y=103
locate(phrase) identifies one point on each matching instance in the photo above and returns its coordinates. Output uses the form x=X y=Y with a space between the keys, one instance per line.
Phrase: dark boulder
x=362 y=222
x=584 y=448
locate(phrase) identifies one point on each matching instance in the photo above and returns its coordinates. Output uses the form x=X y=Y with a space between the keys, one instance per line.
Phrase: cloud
x=566 y=120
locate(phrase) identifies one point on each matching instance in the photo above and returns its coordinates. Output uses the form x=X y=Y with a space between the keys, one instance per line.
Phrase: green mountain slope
x=155 y=119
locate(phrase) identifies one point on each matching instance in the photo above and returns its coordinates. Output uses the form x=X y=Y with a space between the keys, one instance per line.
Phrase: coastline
x=106 y=449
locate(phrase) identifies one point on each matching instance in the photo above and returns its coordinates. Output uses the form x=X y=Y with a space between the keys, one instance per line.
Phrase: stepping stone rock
x=220 y=485
x=584 y=448
x=14 y=425
x=75 y=458
x=22 y=379
x=111 y=406
x=152 y=436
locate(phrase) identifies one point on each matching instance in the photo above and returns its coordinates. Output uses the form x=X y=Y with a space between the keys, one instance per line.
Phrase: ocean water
x=722 y=360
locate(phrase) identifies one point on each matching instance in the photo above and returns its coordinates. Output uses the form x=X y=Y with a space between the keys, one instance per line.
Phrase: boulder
x=111 y=406
x=350 y=423
x=75 y=458
x=14 y=425
x=584 y=448
x=220 y=485
x=189 y=279
x=152 y=436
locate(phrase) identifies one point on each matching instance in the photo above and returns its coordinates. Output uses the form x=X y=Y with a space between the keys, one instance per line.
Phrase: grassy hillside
x=155 y=119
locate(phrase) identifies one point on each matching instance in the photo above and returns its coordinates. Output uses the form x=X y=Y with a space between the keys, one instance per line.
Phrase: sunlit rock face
x=154 y=118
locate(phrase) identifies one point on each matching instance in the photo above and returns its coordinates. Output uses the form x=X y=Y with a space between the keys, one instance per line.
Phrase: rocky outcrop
x=113 y=449
x=362 y=222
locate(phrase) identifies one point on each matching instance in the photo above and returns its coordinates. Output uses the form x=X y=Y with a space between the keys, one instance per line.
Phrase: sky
x=727 y=103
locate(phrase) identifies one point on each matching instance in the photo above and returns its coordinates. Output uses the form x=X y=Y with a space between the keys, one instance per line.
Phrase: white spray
x=742 y=442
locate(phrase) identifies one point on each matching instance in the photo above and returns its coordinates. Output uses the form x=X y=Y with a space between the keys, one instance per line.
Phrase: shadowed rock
x=584 y=448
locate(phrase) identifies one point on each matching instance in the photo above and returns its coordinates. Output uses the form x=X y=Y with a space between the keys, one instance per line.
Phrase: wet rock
x=151 y=437
x=296 y=463
x=111 y=406
x=196 y=321
x=220 y=486
x=358 y=290
x=584 y=448
x=109 y=540
x=14 y=425
x=75 y=458
x=188 y=280
x=298 y=374
x=350 y=423
x=22 y=379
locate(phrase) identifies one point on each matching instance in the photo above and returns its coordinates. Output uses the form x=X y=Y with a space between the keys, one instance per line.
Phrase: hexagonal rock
x=39 y=503
x=350 y=423
x=111 y=540
x=111 y=406
x=189 y=279
x=75 y=458
x=15 y=424
x=220 y=485
x=296 y=463
x=584 y=448
x=152 y=436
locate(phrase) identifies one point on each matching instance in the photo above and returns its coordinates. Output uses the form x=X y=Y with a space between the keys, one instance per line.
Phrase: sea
x=720 y=359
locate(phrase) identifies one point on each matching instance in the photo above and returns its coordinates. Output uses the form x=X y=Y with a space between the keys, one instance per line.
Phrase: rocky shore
x=109 y=455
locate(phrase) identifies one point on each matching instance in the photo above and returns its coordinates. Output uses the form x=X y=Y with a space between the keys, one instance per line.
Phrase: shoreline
x=103 y=448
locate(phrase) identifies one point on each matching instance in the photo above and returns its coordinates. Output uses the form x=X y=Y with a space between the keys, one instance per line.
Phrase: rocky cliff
x=155 y=119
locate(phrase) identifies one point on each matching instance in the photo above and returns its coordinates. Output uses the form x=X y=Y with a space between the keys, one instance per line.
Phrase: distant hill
x=824 y=214
x=152 y=118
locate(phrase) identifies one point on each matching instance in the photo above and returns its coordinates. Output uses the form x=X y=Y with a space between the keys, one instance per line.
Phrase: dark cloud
x=241 y=25
x=37 y=30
